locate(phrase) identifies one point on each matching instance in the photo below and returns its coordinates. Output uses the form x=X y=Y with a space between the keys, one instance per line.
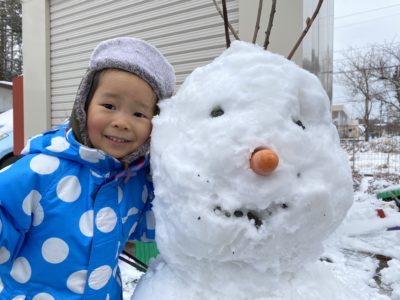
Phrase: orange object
x=380 y=213
x=264 y=161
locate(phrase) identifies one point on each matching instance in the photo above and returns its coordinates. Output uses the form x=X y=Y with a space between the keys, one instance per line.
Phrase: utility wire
x=366 y=47
x=366 y=21
x=366 y=11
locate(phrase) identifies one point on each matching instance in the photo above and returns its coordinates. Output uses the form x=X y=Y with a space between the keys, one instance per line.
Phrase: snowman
x=249 y=181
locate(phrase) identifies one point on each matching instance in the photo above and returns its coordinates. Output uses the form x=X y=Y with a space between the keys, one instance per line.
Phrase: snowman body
x=223 y=231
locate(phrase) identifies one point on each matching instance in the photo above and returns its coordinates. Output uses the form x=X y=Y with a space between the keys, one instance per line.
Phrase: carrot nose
x=264 y=161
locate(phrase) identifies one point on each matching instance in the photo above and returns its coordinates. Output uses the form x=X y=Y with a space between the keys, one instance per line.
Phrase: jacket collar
x=62 y=143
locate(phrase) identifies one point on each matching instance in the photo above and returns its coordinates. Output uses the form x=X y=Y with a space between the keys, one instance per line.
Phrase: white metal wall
x=189 y=33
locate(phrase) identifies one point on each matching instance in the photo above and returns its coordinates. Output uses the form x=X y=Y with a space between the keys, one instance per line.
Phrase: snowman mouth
x=256 y=217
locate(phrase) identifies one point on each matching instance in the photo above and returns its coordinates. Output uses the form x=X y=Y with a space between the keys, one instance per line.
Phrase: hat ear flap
x=74 y=124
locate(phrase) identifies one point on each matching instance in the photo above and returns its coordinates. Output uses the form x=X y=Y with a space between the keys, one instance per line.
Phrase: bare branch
x=257 y=27
x=270 y=23
x=233 y=31
x=225 y=13
x=309 y=22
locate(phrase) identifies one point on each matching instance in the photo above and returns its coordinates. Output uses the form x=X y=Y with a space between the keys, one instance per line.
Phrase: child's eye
x=139 y=115
x=109 y=106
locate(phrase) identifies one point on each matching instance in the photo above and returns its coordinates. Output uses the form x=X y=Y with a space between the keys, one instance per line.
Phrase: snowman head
x=210 y=205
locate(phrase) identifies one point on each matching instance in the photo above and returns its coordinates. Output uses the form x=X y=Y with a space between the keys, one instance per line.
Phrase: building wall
x=287 y=25
x=35 y=32
x=318 y=43
x=59 y=36
x=189 y=33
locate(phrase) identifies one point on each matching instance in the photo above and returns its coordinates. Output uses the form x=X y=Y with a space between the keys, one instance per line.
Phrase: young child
x=69 y=205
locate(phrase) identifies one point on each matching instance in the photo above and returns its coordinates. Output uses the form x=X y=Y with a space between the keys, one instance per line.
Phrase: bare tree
x=10 y=39
x=357 y=72
x=389 y=73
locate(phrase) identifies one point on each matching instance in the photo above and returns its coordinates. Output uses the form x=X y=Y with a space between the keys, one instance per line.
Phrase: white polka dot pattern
x=99 y=277
x=44 y=164
x=76 y=281
x=95 y=174
x=86 y=223
x=4 y=255
x=31 y=202
x=150 y=220
x=106 y=219
x=91 y=155
x=133 y=228
x=62 y=205
x=58 y=144
x=55 y=250
x=69 y=189
x=21 y=270
x=131 y=212
x=43 y=296
x=117 y=252
x=145 y=194
x=120 y=195
x=38 y=215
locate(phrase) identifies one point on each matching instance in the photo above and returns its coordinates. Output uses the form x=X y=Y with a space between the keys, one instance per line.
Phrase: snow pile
x=365 y=250
x=383 y=144
x=223 y=231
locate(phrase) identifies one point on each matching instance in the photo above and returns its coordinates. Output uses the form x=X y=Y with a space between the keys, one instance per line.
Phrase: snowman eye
x=217 y=111
x=298 y=122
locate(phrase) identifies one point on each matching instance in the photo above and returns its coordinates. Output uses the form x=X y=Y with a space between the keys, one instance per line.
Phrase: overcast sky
x=360 y=23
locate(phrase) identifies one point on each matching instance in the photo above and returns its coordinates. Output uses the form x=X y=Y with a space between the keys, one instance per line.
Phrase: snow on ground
x=363 y=251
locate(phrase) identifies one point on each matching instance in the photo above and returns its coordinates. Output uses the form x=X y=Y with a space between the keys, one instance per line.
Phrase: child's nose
x=264 y=161
x=120 y=122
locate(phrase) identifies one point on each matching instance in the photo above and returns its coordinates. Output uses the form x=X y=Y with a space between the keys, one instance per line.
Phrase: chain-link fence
x=379 y=155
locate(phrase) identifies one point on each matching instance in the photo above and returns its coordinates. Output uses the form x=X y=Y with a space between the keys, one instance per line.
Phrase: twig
x=270 y=23
x=257 y=27
x=133 y=264
x=233 y=31
x=138 y=261
x=226 y=22
x=309 y=22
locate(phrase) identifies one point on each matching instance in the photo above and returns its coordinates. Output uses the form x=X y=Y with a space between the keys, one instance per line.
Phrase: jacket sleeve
x=21 y=189
x=145 y=230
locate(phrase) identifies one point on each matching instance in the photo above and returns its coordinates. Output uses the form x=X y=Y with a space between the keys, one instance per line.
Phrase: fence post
x=354 y=155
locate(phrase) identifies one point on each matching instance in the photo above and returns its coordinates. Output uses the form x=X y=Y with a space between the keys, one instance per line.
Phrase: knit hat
x=128 y=54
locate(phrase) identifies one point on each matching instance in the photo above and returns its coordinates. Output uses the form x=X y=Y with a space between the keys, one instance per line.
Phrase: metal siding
x=189 y=33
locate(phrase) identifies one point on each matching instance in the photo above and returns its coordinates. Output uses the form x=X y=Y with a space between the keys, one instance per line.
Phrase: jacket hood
x=131 y=55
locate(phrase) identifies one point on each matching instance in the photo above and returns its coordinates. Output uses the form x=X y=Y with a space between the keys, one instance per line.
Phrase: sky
x=360 y=23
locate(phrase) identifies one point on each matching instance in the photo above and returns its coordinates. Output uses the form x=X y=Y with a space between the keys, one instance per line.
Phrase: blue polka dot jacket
x=66 y=211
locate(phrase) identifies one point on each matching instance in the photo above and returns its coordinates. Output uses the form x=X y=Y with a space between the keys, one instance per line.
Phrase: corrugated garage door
x=190 y=34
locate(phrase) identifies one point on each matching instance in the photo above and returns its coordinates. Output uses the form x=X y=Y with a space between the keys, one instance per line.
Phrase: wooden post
x=18 y=114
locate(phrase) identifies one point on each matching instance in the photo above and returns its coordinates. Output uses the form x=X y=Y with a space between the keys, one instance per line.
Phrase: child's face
x=120 y=113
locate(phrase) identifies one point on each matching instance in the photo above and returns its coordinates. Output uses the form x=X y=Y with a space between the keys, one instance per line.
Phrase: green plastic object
x=145 y=251
x=389 y=195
